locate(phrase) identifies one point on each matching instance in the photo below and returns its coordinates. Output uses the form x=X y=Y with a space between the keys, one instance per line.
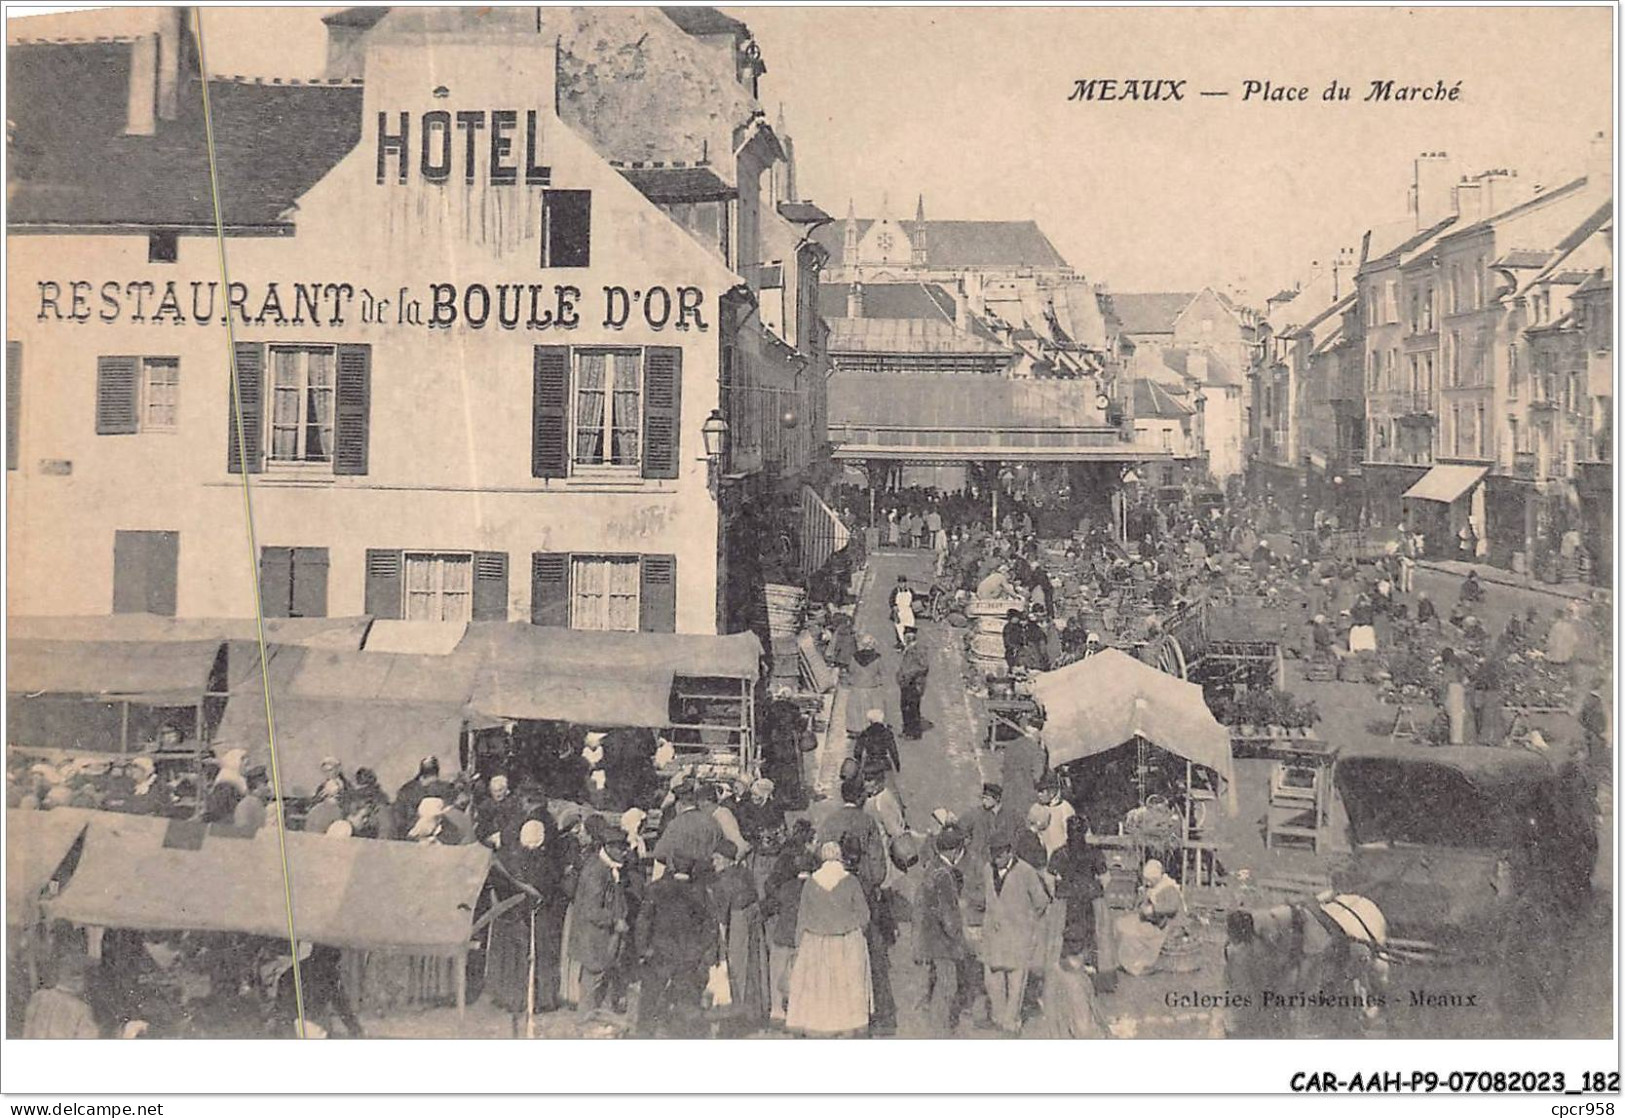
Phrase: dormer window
x=163 y=247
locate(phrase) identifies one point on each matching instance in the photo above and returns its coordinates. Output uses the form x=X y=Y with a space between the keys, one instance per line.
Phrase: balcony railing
x=1525 y=464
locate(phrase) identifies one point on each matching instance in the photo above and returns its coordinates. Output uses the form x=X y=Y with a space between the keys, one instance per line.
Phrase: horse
x=1333 y=946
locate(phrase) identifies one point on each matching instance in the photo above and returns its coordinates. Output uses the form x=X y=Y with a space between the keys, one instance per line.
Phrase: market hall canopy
x=1109 y=699
x=151 y=874
x=963 y=417
x=596 y=678
x=1445 y=484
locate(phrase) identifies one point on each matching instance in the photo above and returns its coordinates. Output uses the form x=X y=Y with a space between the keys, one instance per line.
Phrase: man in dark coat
x=912 y=669
x=425 y=784
x=940 y=942
x=678 y=943
x=599 y=925
x=691 y=835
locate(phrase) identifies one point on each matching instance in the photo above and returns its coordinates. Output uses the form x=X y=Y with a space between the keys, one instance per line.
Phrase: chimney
x=171 y=33
x=961 y=308
x=1430 y=200
x=1499 y=191
x=854 y=300
x=142 y=118
x=1469 y=201
x=1600 y=165
x=155 y=70
x=1342 y=271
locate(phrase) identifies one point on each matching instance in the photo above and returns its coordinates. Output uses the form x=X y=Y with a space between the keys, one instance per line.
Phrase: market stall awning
x=36 y=844
x=317 y=632
x=1445 y=484
x=597 y=679
x=152 y=874
x=161 y=673
x=1109 y=699
x=382 y=711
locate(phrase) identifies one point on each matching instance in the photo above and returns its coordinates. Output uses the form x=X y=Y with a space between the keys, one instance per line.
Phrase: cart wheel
x=1168 y=656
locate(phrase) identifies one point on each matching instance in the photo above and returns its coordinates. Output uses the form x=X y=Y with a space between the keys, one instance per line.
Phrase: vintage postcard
x=721 y=523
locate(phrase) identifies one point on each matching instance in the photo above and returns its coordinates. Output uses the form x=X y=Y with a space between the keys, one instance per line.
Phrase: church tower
x=849 y=241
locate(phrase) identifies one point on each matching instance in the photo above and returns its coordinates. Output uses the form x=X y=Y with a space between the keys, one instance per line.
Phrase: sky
x=969 y=107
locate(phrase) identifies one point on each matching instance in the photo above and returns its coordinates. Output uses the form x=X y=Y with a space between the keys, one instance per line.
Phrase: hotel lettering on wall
x=470 y=306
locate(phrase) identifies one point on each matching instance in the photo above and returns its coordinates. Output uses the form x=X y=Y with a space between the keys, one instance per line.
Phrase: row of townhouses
x=1454 y=372
x=523 y=311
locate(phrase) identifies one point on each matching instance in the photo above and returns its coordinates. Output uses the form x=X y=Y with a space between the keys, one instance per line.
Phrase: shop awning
x=152 y=874
x=597 y=679
x=160 y=673
x=1446 y=484
x=36 y=844
x=1109 y=699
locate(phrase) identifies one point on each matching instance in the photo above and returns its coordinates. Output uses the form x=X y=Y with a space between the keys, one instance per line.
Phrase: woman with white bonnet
x=431 y=822
x=1141 y=933
x=531 y=865
x=831 y=990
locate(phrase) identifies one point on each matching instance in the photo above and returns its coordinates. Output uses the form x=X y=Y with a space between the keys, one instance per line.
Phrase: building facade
x=458 y=366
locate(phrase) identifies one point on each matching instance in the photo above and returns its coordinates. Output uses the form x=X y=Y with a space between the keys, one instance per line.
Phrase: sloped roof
x=1522 y=258
x=927 y=301
x=704 y=21
x=1177 y=358
x=1519 y=210
x=678 y=184
x=904 y=335
x=1409 y=244
x=803 y=213
x=67 y=104
x=959 y=400
x=364 y=16
x=1149 y=312
x=1156 y=401
x=961 y=244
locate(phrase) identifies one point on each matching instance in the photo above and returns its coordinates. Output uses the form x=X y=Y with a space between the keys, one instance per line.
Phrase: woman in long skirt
x=831 y=992
x=530 y=930
x=736 y=901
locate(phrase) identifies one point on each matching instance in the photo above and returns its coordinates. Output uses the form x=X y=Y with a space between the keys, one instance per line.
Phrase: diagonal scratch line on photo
x=248 y=522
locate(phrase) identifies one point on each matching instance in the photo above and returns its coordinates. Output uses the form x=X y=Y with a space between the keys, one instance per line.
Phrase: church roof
x=961 y=244
x=904 y=335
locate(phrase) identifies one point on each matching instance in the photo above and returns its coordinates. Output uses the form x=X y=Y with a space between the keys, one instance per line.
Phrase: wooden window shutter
x=490 y=586
x=14 y=399
x=352 y=406
x=146 y=567
x=569 y=228
x=662 y=410
x=309 y=597
x=276 y=581
x=657 y=594
x=118 y=395
x=550 y=412
x=384 y=590
x=249 y=367
x=550 y=589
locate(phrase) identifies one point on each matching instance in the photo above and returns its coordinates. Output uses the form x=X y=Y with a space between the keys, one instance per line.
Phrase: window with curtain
x=439 y=587
x=604 y=592
x=161 y=392
x=608 y=408
x=301 y=412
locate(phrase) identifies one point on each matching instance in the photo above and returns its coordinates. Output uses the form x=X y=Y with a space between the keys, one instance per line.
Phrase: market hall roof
x=72 y=165
x=960 y=244
x=966 y=416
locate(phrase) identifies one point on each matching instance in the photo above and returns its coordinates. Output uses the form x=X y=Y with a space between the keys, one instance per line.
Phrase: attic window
x=162 y=247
